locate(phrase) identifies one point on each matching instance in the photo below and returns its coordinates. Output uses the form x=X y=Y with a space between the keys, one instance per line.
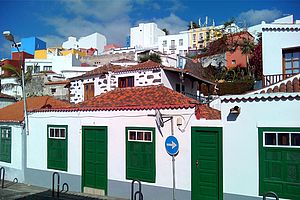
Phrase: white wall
x=145 y=35
x=95 y=40
x=273 y=41
x=178 y=48
x=240 y=138
x=37 y=142
x=13 y=169
x=15 y=91
x=71 y=43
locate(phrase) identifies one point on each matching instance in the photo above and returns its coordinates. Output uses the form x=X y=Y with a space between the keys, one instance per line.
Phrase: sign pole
x=173 y=161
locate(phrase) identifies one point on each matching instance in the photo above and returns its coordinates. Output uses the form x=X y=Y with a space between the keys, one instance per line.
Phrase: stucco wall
x=37 y=142
x=240 y=139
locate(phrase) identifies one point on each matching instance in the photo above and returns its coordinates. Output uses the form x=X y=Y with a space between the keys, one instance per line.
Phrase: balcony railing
x=172 y=47
x=274 y=78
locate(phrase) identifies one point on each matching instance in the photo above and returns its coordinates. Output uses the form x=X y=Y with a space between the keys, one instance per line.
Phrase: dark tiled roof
x=142 y=98
x=98 y=71
x=5 y=96
x=15 y=113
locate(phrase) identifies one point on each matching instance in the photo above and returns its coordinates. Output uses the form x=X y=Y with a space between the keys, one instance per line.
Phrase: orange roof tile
x=142 y=98
x=15 y=112
x=57 y=83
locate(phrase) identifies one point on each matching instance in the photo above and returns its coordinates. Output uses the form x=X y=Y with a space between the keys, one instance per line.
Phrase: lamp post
x=10 y=38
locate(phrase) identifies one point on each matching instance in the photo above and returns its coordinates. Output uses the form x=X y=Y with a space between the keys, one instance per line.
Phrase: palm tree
x=247 y=47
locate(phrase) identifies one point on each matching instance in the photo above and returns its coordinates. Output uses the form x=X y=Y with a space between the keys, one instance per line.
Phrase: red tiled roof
x=57 y=83
x=5 y=96
x=15 y=112
x=144 y=65
x=142 y=98
x=289 y=85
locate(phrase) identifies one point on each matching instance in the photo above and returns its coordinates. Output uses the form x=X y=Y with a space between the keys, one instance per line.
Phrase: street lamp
x=10 y=38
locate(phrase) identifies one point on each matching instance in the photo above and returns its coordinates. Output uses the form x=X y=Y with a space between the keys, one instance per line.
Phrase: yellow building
x=58 y=51
x=199 y=38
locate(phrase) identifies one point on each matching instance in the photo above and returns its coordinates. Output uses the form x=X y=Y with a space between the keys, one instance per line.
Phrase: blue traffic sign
x=172 y=145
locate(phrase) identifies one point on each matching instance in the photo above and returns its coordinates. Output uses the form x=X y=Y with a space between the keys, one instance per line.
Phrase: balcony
x=172 y=47
x=275 y=78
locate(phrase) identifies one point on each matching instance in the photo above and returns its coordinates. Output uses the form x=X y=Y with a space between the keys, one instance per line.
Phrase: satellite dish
x=158 y=118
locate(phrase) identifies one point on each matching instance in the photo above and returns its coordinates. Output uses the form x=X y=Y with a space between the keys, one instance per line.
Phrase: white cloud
x=253 y=17
x=172 y=23
x=53 y=40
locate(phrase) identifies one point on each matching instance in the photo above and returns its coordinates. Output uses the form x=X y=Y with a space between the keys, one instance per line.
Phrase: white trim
x=277 y=145
x=59 y=137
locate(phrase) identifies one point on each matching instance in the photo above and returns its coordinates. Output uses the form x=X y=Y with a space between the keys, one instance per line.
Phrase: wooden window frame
x=127 y=82
x=90 y=92
x=286 y=51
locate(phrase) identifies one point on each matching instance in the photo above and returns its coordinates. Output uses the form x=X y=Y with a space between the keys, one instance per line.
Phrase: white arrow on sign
x=173 y=145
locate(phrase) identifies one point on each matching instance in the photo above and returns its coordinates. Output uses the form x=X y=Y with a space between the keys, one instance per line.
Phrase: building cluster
x=100 y=118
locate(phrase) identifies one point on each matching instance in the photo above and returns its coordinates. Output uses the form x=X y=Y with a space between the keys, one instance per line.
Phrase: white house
x=6 y=100
x=109 y=77
x=101 y=145
x=174 y=44
x=145 y=35
x=281 y=49
x=261 y=142
x=13 y=135
x=95 y=40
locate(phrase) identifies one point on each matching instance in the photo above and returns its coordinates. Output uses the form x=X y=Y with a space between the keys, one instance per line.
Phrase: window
x=194 y=37
x=180 y=42
x=36 y=68
x=88 y=91
x=200 y=36
x=140 y=154
x=282 y=139
x=126 y=82
x=47 y=68
x=165 y=43
x=57 y=147
x=53 y=90
x=5 y=144
x=233 y=62
x=194 y=46
x=291 y=61
x=178 y=88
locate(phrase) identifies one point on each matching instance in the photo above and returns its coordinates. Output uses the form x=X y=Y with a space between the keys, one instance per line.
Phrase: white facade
x=110 y=81
x=277 y=36
x=95 y=40
x=174 y=44
x=145 y=35
x=15 y=90
x=240 y=136
x=116 y=122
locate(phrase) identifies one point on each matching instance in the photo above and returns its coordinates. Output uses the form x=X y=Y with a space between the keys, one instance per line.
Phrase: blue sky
x=55 y=20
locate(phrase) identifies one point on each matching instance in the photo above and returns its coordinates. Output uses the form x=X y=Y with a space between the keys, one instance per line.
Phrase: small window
x=165 y=43
x=47 y=68
x=126 y=82
x=194 y=37
x=140 y=136
x=53 y=90
x=57 y=133
x=281 y=139
x=180 y=42
x=233 y=62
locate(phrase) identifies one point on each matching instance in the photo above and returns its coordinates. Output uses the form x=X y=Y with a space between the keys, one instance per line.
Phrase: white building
x=95 y=40
x=145 y=35
x=281 y=47
x=174 y=44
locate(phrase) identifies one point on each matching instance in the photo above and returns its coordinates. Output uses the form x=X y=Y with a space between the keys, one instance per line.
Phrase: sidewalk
x=28 y=192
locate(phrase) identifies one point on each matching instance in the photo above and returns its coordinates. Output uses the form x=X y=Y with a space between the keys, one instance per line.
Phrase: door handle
x=197 y=163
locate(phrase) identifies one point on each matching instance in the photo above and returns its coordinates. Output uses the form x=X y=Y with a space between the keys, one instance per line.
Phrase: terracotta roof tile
x=142 y=98
x=290 y=85
x=15 y=113
x=145 y=65
x=57 y=83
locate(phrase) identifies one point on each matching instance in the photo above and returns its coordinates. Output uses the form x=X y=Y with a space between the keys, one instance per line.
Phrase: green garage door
x=207 y=181
x=279 y=166
x=94 y=167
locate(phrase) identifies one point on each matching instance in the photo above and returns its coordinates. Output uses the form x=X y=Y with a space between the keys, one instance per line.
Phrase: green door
x=5 y=144
x=207 y=176
x=94 y=157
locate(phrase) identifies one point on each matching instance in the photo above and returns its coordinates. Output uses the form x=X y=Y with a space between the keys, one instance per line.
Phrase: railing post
x=2 y=176
x=58 y=181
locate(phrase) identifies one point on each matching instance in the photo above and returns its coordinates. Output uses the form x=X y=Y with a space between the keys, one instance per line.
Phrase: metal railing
x=270 y=194
x=2 y=176
x=57 y=185
x=274 y=78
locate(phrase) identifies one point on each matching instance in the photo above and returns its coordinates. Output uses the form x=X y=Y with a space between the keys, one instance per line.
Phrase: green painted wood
x=207 y=175
x=5 y=144
x=279 y=167
x=94 y=157
x=57 y=150
x=140 y=157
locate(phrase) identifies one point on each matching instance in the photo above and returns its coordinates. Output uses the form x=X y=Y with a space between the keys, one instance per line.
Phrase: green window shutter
x=57 y=147
x=279 y=166
x=5 y=144
x=140 y=156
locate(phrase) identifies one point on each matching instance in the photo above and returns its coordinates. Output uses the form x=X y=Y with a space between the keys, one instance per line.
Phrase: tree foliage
x=152 y=56
x=166 y=31
x=256 y=61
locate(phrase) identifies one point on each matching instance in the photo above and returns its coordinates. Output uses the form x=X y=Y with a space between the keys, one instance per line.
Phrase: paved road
x=20 y=191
